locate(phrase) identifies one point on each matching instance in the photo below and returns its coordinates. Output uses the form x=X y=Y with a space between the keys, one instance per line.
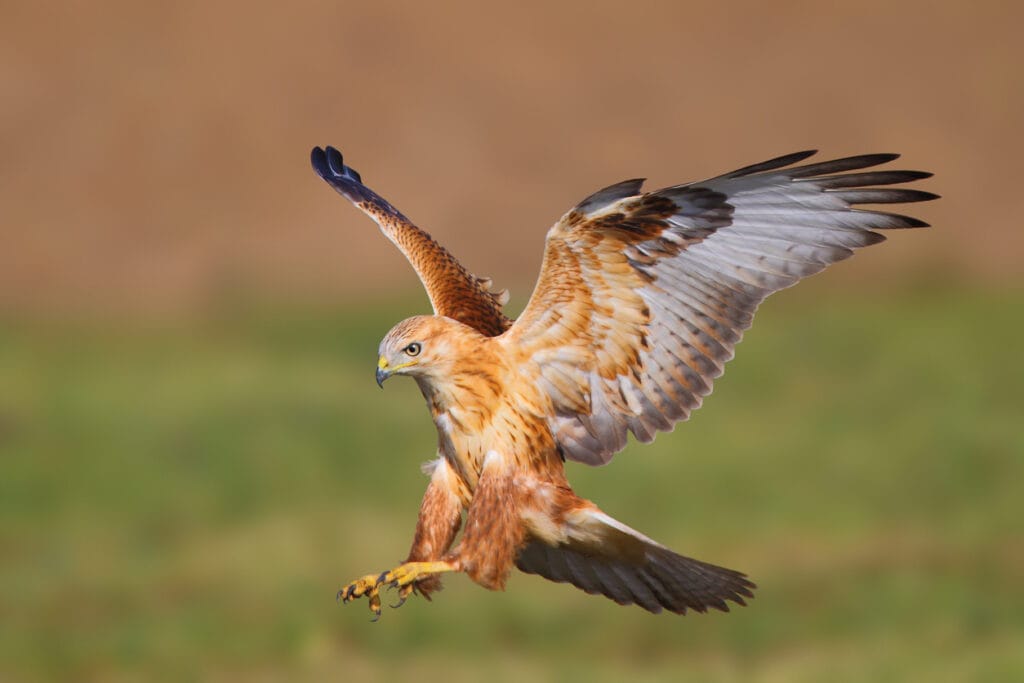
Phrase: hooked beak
x=382 y=371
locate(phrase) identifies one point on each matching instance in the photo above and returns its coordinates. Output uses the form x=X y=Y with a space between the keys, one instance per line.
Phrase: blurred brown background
x=155 y=155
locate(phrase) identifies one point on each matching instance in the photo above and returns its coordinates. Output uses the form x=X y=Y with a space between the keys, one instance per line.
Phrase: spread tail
x=602 y=555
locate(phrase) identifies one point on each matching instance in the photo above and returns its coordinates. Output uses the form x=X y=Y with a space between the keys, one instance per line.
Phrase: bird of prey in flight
x=641 y=298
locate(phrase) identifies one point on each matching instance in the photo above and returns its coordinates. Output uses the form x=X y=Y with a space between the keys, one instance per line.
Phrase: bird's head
x=420 y=346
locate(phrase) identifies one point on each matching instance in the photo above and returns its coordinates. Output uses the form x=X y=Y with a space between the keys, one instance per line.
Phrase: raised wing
x=642 y=297
x=454 y=292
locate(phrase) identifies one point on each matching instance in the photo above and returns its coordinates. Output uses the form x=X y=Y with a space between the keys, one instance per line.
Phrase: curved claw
x=375 y=605
x=404 y=591
x=347 y=593
x=368 y=586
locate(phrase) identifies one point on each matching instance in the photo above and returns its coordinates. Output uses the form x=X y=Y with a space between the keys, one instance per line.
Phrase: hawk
x=641 y=298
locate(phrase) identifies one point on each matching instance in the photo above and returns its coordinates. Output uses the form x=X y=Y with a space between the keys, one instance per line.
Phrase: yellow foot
x=403 y=577
x=369 y=586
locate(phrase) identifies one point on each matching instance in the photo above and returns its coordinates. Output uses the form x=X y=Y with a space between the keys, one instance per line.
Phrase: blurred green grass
x=182 y=502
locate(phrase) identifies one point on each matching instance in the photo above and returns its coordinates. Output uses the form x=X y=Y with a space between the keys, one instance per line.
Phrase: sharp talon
x=376 y=617
x=404 y=578
x=375 y=606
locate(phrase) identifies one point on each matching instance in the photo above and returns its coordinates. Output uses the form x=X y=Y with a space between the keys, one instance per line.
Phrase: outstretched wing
x=642 y=297
x=453 y=291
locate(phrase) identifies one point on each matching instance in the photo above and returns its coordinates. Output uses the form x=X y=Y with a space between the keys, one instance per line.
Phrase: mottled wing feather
x=642 y=297
x=453 y=291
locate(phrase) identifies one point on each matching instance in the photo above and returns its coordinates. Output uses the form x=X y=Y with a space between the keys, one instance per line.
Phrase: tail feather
x=603 y=556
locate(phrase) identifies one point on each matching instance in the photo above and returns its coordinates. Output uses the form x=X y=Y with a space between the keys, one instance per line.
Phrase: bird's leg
x=439 y=520
x=402 y=577
x=494 y=531
x=493 y=535
x=407 y=576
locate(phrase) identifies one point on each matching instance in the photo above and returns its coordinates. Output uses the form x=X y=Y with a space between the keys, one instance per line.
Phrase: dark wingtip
x=329 y=164
x=318 y=159
x=881 y=158
x=772 y=164
x=335 y=161
x=900 y=221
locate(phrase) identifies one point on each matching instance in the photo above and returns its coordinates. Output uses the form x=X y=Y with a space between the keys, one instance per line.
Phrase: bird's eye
x=413 y=349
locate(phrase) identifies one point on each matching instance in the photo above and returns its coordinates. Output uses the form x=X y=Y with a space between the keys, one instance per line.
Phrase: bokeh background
x=193 y=456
